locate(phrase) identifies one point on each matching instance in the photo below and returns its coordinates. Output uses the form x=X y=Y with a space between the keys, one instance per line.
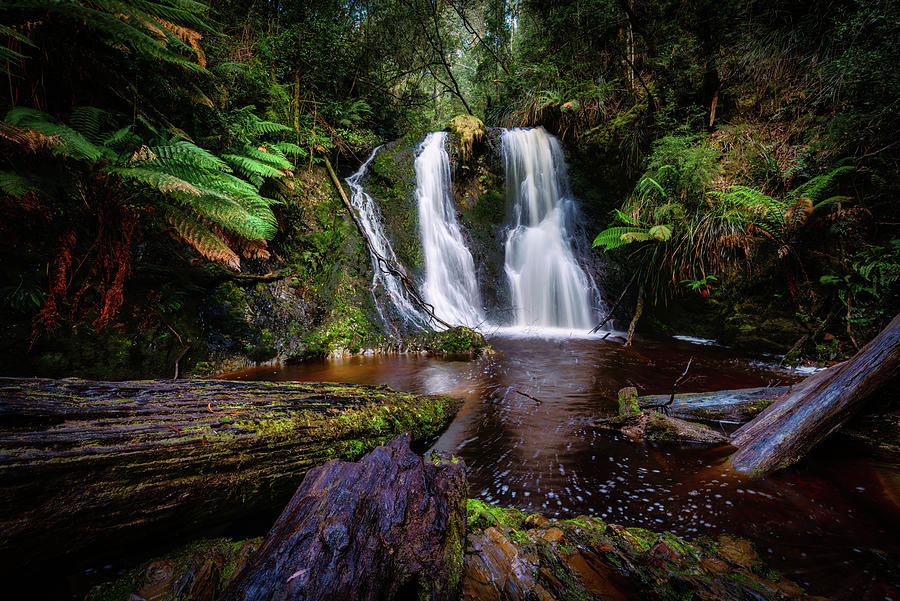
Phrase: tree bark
x=811 y=411
x=722 y=406
x=94 y=466
x=389 y=527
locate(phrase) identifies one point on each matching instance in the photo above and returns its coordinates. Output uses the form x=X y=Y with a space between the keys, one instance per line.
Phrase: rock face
x=391 y=526
x=513 y=557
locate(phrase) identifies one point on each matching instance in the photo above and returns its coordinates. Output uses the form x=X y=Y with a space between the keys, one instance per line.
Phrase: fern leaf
x=291 y=149
x=616 y=237
x=270 y=158
x=250 y=167
x=164 y=182
x=15 y=184
x=74 y=145
x=204 y=241
x=815 y=188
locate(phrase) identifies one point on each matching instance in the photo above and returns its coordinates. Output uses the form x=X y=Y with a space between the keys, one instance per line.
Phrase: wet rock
x=391 y=526
x=198 y=572
x=585 y=558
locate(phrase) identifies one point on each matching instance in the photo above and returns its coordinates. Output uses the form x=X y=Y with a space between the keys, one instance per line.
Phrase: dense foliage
x=736 y=142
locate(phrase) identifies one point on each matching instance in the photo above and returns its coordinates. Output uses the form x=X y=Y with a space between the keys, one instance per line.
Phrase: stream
x=829 y=524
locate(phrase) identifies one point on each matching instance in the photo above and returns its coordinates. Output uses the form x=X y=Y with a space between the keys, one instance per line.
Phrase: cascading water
x=369 y=217
x=450 y=285
x=548 y=288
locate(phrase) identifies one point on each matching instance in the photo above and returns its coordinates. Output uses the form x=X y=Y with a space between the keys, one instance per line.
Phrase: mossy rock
x=466 y=131
x=459 y=340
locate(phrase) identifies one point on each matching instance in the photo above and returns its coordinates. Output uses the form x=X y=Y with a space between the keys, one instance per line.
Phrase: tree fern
x=72 y=143
x=200 y=196
x=250 y=167
x=15 y=184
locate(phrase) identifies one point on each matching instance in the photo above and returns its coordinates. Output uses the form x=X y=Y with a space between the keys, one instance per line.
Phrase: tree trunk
x=389 y=527
x=821 y=404
x=94 y=466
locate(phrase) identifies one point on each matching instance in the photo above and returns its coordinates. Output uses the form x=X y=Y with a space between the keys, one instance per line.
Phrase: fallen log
x=391 y=526
x=651 y=425
x=722 y=406
x=94 y=466
x=807 y=414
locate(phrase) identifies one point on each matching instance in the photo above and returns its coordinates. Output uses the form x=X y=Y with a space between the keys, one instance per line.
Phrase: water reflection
x=831 y=524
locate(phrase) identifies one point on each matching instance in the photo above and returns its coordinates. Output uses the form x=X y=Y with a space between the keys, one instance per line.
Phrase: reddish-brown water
x=830 y=524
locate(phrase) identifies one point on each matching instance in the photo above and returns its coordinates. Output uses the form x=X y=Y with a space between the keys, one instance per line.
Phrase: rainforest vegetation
x=192 y=189
x=739 y=157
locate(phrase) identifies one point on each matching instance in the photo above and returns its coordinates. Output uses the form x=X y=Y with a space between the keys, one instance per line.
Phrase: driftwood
x=389 y=527
x=722 y=406
x=95 y=466
x=651 y=425
x=812 y=410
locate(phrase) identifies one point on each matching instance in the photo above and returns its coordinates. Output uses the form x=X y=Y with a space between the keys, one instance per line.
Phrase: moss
x=480 y=515
x=465 y=131
x=185 y=561
x=628 y=401
x=489 y=208
x=455 y=341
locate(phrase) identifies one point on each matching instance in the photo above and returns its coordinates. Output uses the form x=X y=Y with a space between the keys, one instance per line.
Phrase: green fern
x=15 y=184
x=252 y=167
x=72 y=143
x=618 y=236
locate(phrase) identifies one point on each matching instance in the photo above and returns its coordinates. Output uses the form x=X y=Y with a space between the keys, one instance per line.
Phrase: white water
x=548 y=287
x=450 y=285
x=370 y=218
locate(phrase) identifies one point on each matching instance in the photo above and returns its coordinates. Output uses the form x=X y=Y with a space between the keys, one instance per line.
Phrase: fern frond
x=86 y=120
x=250 y=167
x=291 y=149
x=261 y=127
x=616 y=237
x=208 y=244
x=73 y=144
x=815 y=188
x=191 y=154
x=161 y=181
x=270 y=158
x=15 y=184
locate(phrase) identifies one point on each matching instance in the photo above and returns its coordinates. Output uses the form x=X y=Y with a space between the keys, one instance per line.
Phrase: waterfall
x=548 y=288
x=370 y=219
x=450 y=285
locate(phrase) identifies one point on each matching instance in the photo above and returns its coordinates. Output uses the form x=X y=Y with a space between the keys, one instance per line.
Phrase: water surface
x=830 y=524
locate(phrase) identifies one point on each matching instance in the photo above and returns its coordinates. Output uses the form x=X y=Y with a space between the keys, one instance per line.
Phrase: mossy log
x=725 y=406
x=97 y=465
x=391 y=526
x=811 y=411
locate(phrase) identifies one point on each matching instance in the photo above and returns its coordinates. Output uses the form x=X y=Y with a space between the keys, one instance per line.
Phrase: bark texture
x=391 y=526
x=97 y=466
x=809 y=412
x=724 y=406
